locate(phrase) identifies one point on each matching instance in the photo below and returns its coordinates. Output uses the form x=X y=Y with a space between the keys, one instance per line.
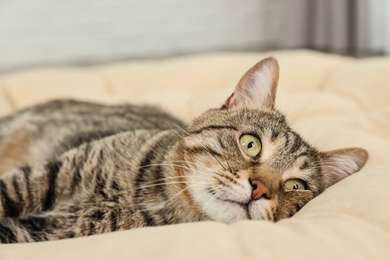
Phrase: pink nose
x=259 y=190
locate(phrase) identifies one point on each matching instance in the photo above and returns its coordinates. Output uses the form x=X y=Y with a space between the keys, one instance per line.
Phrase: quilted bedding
x=332 y=101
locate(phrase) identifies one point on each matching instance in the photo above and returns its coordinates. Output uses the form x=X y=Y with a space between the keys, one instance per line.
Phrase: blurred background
x=84 y=32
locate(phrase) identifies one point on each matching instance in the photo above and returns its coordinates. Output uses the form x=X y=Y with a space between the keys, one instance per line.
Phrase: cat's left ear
x=341 y=163
x=257 y=88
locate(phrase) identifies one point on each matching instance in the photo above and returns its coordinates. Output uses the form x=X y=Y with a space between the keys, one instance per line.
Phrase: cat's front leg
x=76 y=218
x=35 y=228
x=35 y=189
x=28 y=189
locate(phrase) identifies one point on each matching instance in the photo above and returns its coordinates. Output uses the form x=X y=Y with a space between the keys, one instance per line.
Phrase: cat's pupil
x=295 y=186
x=250 y=145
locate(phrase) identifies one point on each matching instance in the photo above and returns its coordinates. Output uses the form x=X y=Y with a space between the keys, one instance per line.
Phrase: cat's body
x=46 y=131
x=77 y=169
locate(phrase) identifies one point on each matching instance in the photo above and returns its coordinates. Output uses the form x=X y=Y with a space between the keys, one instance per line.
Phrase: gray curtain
x=355 y=27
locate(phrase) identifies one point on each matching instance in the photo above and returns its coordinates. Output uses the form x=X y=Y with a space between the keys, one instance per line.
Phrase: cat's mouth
x=246 y=208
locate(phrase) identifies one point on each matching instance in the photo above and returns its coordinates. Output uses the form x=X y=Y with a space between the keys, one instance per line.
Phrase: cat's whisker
x=220 y=177
x=230 y=168
x=181 y=191
x=283 y=102
x=168 y=183
x=198 y=165
x=166 y=164
x=192 y=163
x=170 y=178
x=176 y=194
x=180 y=128
x=290 y=116
x=215 y=172
x=175 y=131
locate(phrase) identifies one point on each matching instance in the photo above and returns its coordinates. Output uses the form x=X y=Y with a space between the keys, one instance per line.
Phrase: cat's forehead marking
x=295 y=171
x=213 y=127
x=270 y=146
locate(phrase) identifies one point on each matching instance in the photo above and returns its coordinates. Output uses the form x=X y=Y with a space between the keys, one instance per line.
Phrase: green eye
x=250 y=145
x=294 y=185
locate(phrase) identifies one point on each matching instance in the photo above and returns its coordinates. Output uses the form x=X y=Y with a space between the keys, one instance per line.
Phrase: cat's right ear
x=257 y=88
x=341 y=163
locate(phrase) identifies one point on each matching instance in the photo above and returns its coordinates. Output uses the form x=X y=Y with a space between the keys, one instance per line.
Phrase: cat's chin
x=260 y=210
x=227 y=211
x=230 y=212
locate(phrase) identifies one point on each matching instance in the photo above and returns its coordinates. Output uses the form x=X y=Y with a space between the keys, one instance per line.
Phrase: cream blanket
x=331 y=101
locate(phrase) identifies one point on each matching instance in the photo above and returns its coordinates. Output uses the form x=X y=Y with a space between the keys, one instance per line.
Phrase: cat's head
x=247 y=163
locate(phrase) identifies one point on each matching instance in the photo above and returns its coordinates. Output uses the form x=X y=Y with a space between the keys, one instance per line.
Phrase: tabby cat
x=73 y=169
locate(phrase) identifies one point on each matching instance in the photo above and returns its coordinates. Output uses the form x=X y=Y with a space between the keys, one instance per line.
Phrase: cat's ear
x=342 y=162
x=257 y=88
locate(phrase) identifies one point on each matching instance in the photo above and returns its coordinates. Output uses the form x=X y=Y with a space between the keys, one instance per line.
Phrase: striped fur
x=77 y=169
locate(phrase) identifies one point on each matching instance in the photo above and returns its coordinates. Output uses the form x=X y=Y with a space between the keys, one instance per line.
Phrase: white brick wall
x=46 y=32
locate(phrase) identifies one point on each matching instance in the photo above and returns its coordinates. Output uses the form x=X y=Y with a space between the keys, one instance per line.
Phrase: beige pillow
x=332 y=101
